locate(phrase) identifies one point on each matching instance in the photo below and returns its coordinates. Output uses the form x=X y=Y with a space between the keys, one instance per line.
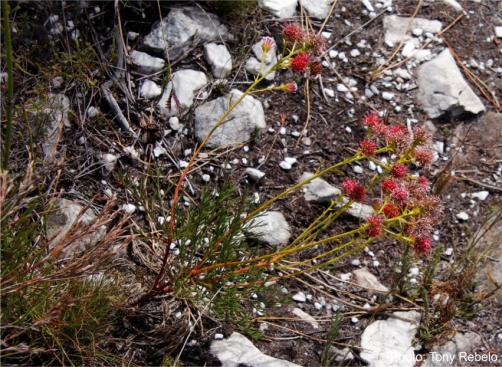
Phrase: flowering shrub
x=409 y=210
x=405 y=211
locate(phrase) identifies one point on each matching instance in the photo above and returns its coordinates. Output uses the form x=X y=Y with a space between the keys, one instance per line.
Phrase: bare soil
x=328 y=120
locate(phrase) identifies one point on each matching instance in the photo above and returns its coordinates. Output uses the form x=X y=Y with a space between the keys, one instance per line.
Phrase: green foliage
x=51 y=312
x=327 y=356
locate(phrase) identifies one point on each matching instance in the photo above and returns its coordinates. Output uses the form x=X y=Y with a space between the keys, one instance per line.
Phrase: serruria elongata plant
x=405 y=209
x=299 y=53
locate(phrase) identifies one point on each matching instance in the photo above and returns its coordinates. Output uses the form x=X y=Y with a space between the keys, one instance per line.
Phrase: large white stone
x=237 y=350
x=145 y=63
x=318 y=9
x=218 y=57
x=245 y=119
x=442 y=88
x=271 y=227
x=186 y=84
x=388 y=343
x=176 y=32
x=395 y=27
x=318 y=190
x=149 y=89
x=279 y=8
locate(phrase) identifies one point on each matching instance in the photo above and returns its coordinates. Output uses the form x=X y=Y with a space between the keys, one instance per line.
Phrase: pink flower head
x=293 y=33
x=422 y=245
x=354 y=190
x=368 y=147
x=398 y=170
x=391 y=210
x=375 y=226
x=300 y=62
x=372 y=120
x=423 y=156
x=388 y=185
x=316 y=44
x=315 y=68
x=267 y=43
x=291 y=87
x=400 y=194
x=421 y=135
x=400 y=136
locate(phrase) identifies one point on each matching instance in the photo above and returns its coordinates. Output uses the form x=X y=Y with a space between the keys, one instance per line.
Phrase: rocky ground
x=442 y=70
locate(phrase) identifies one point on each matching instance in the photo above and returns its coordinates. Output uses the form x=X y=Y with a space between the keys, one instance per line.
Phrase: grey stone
x=244 y=120
x=61 y=221
x=368 y=281
x=489 y=241
x=467 y=342
x=271 y=227
x=318 y=190
x=219 y=59
x=186 y=84
x=149 y=89
x=442 y=88
x=254 y=65
x=395 y=27
x=279 y=8
x=145 y=63
x=53 y=115
x=254 y=174
x=318 y=9
x=237 y=350
x=387 y=343
x=177 y=31
x=359 y=210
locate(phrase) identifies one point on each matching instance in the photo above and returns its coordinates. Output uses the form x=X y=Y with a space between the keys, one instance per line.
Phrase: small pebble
x=342 y=88
x=462 y=216
x=317 y=305
x=372 y=166
x=299 y=297
x=358 y=169
x=498 y=32
x=129 y=208
x=449 y=251
x=174 y=123
x=348 y=129
x=295 y=134
x=333 y=54
x=481 y=195
x=206 y=178
x=285 y=165
x=290 y=160
x=329 y=92
x=218 y=336
x=354 y=320
x=355 y=52
x=387 y=96
x=356 y=262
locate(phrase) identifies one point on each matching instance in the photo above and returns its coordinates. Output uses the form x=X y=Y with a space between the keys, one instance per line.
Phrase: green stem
x=10 y=84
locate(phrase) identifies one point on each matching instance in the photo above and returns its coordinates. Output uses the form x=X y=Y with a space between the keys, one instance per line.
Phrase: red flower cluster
x=422 y=245
x=315 y=68
x=368 y=147
x=300 y=62
x=354 y=190
x=388 y=185
x=391 y=210
x=398 y=170
x=372 y=120
x=293 y=33
x=375 y=226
